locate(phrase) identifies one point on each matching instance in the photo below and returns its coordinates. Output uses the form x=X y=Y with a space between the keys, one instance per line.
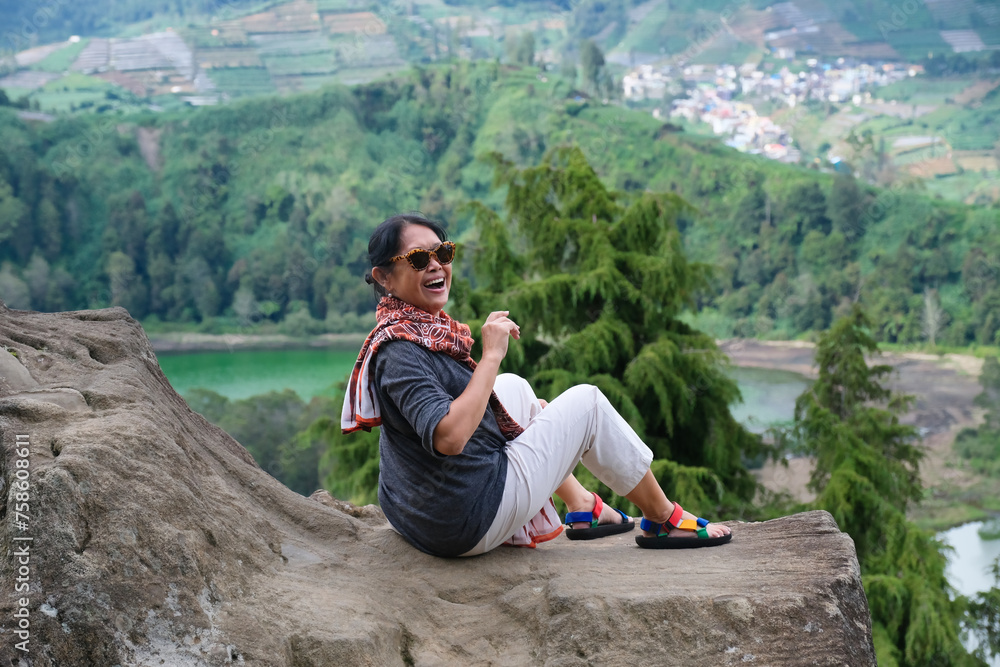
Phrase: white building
x=644 y=83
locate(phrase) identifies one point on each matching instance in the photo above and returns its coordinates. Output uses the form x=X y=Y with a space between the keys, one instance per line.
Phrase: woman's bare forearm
x=466 y=412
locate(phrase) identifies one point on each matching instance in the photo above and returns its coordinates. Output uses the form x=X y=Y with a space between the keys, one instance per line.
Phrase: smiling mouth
x=435 y=284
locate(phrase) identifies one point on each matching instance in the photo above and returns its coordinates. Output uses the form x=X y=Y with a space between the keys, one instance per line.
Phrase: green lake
x=768 y=396
x=245 y=373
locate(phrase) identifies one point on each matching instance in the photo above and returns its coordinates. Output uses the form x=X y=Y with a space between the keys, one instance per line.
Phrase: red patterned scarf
x=398 y=320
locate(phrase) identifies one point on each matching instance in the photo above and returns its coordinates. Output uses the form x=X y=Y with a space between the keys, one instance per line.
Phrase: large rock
x=158 y=541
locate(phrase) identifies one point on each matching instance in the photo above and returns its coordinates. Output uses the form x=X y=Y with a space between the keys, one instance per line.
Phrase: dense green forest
x=273 y=428
x=256 y=214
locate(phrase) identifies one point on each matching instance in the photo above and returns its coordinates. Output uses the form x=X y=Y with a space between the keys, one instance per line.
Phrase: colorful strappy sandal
x=596 y=529
x=676 y=520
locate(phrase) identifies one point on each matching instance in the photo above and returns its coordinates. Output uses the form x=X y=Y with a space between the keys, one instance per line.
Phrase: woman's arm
x=454 y=430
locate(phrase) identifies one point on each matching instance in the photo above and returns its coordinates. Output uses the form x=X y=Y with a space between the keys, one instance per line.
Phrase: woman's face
x=427 y=289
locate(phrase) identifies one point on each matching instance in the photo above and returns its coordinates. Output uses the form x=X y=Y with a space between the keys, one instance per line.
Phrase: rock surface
x=158 y=541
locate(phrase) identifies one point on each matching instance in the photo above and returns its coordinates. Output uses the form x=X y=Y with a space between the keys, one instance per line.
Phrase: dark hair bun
x=369 y=279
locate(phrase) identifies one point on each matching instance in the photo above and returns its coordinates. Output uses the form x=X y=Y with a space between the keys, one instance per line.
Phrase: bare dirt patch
x=940 y=166
x=976 y=92
x=978 y=163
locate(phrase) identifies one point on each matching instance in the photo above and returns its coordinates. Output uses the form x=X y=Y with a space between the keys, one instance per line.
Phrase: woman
x=469 y=459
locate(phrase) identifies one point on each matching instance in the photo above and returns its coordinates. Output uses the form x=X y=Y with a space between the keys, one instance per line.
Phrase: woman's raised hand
x=497 y=330
x=455 y=428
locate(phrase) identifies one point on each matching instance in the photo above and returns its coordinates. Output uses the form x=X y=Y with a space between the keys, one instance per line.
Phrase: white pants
x=579 y=425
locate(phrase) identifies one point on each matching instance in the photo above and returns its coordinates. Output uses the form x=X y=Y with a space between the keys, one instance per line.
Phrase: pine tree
x=982 y=445
x=591 y=62
x=866 y=476
x=845 y=208
x=984 y=615
x=349 y=467
x=598 y=285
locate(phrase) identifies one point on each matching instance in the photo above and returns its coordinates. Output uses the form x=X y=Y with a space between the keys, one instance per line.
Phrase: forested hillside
x=258 y=212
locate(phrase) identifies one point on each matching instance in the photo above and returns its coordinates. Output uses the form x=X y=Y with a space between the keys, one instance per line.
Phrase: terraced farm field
x=917 y=43
x=226 y=58
x=34 y=56
x=945 y=131
x=60 y=59
x=872 y=29
x=298 y=45
x=365 y=23
x=976 y=161
x=243 y=81
x=922 y=91
x=74 y=91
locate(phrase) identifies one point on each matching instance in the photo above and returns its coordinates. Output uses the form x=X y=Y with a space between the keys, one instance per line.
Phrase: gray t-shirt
x=442 y=505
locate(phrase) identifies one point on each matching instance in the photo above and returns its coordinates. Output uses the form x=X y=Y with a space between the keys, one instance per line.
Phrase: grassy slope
x=59 y=61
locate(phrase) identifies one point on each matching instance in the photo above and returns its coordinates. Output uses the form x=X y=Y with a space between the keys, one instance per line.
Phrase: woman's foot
x=608 y=514
x=609 y=521
x=713 y=529
x=681 y=530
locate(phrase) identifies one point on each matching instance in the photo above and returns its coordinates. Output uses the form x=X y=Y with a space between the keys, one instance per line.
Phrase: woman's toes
x=715 y=530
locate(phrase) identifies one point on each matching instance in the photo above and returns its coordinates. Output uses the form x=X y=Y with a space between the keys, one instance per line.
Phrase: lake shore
x=798 y=356
x=202 y=342
x=943 y=387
